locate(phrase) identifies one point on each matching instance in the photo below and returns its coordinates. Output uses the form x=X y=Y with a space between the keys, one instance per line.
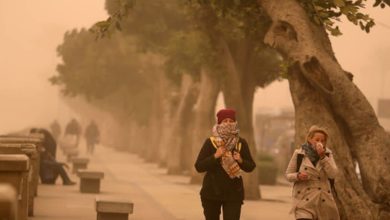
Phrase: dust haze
x=31 y=31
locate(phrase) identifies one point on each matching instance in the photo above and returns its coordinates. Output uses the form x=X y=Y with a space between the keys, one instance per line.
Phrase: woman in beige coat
x=312 y=191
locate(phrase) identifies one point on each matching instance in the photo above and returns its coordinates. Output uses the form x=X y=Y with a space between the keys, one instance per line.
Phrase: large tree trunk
x=204 y=116
x=187 y=99
x=154 y=130
x=156 y=120
x=232 y=89
x=234 y=97
x=312 y=108
x=166 y=119
x=357 y=131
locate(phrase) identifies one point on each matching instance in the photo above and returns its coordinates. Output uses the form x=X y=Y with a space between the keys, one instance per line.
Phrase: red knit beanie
x=226 y=113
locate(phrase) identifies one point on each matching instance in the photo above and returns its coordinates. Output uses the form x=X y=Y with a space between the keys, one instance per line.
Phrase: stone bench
x=90 y=181
x=113 y=208
x=8 y=202
x=14 y=170
x=33 y=176
x=19 y=139
x=23 y=139
x=79 y=163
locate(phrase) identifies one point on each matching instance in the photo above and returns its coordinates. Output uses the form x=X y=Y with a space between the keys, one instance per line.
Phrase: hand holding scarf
x=226 y=135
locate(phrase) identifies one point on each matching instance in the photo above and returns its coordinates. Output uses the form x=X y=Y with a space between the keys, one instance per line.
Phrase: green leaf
x=361 y=25
x=339 y=3
x=377 y=2
x=328 y=22
x=336 y=31
x=367 y=29
x=102 y=23
x=317 y=20
x=318 y=8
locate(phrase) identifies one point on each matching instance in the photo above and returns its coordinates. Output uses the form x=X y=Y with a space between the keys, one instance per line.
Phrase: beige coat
x=313 y=198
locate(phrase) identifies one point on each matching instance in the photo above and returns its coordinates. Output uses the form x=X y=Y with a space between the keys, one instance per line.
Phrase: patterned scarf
x=226 y=135
x=311 y=153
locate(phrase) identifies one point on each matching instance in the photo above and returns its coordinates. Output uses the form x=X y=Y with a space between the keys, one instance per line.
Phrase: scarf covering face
x=311 y=153
x=226 y=135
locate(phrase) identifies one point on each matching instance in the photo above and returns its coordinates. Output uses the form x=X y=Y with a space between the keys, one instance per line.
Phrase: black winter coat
x=217 y=185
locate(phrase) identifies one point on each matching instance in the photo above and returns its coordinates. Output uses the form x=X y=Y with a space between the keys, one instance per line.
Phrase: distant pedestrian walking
x=72 y=134
x=92 y=136
x=55 y=129
x=223 y=157
x=313 y=169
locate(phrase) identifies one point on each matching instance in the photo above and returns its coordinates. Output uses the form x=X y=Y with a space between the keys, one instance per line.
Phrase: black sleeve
x=206 y=160
x=247 y=164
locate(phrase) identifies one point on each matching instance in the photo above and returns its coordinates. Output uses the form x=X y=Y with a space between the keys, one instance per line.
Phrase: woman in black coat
x=223 y=157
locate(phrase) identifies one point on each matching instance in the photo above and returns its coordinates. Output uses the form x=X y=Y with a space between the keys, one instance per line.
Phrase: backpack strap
x=238 y=146
x=212 y=139
x=299 y=161
x=332 y=187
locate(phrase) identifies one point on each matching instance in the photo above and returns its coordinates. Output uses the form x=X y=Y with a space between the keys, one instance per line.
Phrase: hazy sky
x=32 y=29
x=30 y=32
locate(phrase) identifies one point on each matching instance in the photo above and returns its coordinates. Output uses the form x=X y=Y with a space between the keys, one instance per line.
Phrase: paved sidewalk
x=156 y=196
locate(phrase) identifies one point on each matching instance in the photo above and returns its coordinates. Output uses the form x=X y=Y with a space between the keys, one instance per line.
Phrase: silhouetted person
x=55 y=129
x=92 y=136
x=49 y=143
x=73 y=131
x=50 y=169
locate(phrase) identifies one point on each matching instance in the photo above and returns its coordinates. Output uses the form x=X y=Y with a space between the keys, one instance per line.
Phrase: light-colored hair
x=317 y=129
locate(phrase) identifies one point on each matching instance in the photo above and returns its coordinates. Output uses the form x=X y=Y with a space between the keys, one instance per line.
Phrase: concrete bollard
x=79 y=163
x=113 y=208
x=90 y=181
x=8 y=202
x=71 y=153
x=14 y=170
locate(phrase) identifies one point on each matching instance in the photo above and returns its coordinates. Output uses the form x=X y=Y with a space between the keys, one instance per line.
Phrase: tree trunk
x=311 y=108
x=234 y=97
x=167 y=118
x=204 y=117
x=356 y=128
x=187 y=100
x=132 y=136
x=156 y=119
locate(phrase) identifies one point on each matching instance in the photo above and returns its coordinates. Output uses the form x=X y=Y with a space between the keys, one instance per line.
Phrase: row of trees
x=161 y=75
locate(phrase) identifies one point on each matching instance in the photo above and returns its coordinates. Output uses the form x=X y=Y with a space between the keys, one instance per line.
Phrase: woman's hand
x=237 y=156
x=220 y=151
x=320 y=150
x=302 y=176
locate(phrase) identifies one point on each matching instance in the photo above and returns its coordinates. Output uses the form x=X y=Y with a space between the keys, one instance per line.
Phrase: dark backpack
x=331 y=181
